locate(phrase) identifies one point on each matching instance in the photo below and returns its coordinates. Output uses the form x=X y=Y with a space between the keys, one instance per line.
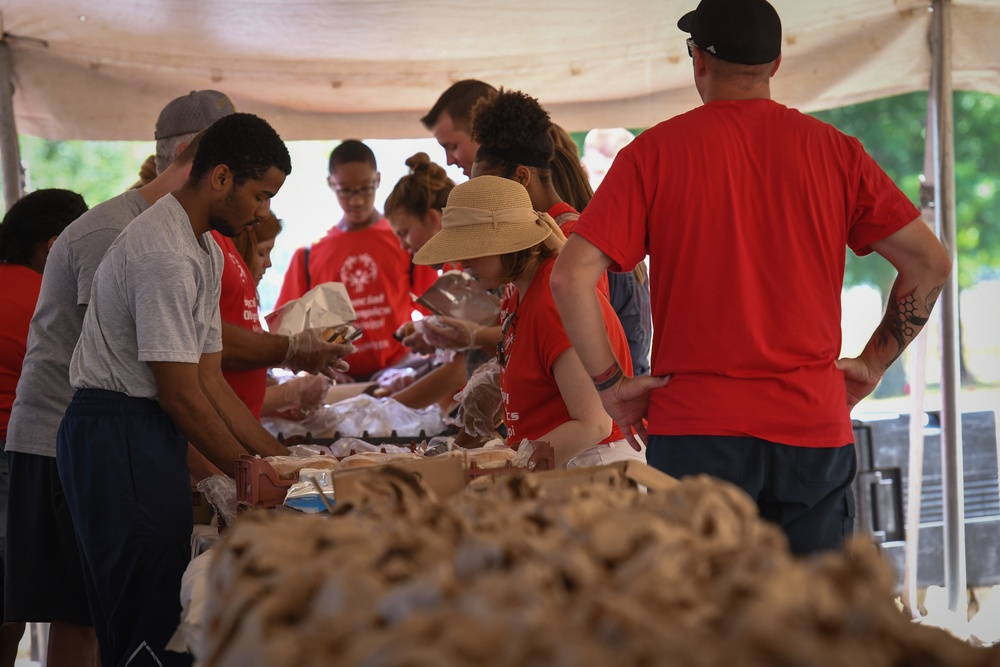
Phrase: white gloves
x=480 y=401
x=308 y=351
x=448 y=333
x=299 y=396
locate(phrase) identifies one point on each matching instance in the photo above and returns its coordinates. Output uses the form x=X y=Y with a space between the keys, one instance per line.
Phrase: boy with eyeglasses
x=362 y=252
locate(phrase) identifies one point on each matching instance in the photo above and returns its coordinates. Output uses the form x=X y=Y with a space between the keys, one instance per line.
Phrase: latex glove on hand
x=299 y=396
x=448 y=333
x=480 y=401
x=310 y=352
x=412 y=337
x=395 y=379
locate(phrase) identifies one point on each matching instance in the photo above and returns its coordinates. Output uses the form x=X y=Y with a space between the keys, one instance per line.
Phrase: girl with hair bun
x=414 y=206
x=413 y=210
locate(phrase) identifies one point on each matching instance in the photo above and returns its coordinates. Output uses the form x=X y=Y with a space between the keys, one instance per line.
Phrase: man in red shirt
x=745 y=208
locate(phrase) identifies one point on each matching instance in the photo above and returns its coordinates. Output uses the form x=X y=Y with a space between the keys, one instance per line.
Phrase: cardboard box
x=623 y=474
x=444 y=475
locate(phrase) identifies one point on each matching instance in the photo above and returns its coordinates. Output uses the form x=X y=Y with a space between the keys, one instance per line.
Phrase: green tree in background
x=98 y=170
x=893 y=131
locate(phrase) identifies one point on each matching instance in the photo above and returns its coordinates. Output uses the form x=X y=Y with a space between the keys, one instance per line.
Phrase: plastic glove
x=395 y=379
x=411 y=335
x=299 y=396
x=308 y=351
x=449 y=333
x=480 y=401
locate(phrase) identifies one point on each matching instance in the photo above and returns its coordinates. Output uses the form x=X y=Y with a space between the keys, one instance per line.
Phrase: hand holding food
x=311 y=351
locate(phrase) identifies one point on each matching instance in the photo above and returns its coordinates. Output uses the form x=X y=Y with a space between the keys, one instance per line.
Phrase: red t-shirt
x=566 y=217
x=18 y=297
x=533 y=338
x=379 y=277
x=746 y=209
x=238 y=305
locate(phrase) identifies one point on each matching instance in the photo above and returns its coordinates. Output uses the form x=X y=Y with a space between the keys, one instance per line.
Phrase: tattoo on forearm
x=904 y=318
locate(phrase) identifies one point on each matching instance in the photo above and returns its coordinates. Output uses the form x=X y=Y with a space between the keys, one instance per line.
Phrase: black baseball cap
x=747 y=32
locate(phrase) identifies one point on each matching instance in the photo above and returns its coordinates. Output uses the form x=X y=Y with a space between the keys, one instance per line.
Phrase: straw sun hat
x=488 y=215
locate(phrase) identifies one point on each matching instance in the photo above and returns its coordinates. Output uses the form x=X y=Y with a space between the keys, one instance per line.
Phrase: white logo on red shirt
x=358 y=271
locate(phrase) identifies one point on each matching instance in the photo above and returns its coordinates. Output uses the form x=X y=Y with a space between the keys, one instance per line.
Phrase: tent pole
x=10 y=153
x=952 y=467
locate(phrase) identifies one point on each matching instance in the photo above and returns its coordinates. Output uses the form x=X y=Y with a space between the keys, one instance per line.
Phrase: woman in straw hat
x=490 y=226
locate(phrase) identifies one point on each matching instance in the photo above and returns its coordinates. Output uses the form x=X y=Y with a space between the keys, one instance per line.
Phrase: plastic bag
x=457 y=294
x=303 y=496
x=221 y=492
x=355 y=416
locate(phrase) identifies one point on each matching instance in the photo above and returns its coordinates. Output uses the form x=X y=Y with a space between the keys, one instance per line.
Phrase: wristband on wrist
x=608 y=378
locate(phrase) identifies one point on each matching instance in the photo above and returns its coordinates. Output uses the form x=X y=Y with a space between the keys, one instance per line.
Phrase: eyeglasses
x=690 y=44
x=509 y=321
x=364 y=191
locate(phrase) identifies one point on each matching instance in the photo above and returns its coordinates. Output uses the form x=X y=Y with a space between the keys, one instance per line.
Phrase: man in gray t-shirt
x=44 y=581
x=148 y=376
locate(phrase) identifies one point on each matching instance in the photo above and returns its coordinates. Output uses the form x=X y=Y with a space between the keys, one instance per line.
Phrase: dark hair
x=458 y=101
x=514 y=264
x=34 y=219
x=245 y=143
x=351 y=150
x=512 y=129
x=427 y=186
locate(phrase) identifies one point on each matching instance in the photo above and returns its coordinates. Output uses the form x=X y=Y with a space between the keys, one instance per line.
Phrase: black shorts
x=805 y=490
x=43 y=574
x=123 y=464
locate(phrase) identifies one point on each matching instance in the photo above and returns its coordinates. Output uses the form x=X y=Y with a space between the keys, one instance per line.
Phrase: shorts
x=43 y=574
x=123 y=464
x=805 y=490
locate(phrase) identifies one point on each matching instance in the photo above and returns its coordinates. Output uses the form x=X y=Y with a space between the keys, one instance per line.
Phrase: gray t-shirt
x=43 y=390
x=155 y=298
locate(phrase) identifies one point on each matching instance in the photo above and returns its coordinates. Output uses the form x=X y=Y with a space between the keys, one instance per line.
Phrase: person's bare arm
x=182 y=398
x=441 y=383
x=244 y=350
x=589 y=424
x=574 y=282
x=923 y=266
x=237 y=417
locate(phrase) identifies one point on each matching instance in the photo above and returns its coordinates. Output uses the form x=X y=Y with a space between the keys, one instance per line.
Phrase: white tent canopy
x=330 y=69
x=103 y=69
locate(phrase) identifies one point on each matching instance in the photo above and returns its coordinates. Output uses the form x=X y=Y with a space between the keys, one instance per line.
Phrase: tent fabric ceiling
x=327 y=69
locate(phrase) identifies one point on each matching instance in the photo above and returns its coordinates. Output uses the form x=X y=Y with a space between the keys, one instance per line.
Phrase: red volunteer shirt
x=745 y=209
x=238 y=305
x=533 y=338
x=378 y=276
x=18 y=297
